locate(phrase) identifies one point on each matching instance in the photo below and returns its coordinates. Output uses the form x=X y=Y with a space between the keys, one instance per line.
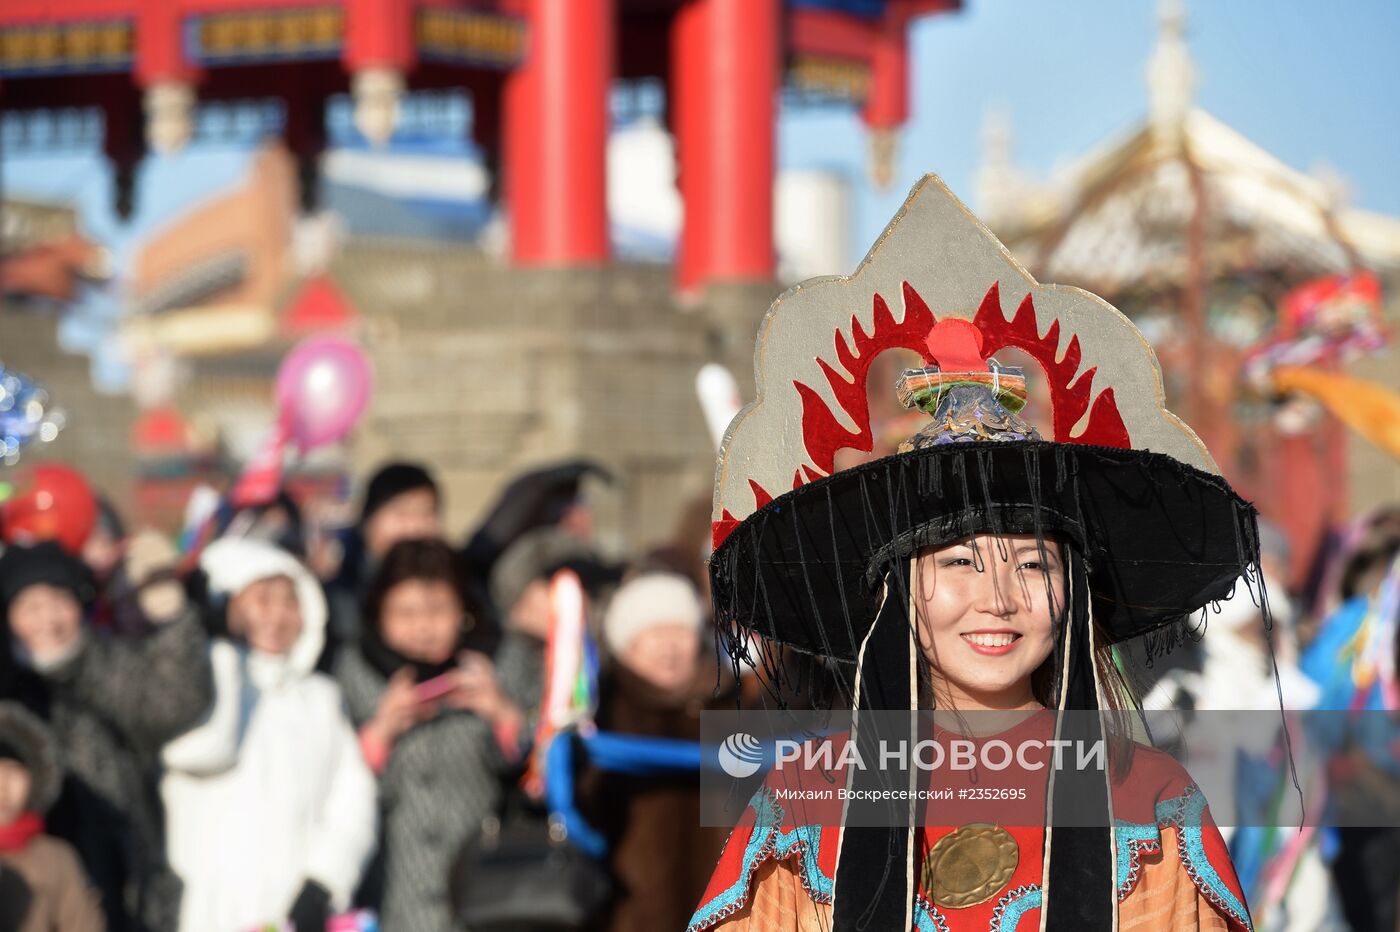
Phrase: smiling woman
x=986 y=611
x=980 y=569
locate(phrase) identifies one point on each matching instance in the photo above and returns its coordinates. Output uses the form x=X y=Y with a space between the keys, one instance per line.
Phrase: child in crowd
x=47 y=890
x=270 y=807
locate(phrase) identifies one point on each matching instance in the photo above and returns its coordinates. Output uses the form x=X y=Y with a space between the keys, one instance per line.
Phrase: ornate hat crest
x=933 y=264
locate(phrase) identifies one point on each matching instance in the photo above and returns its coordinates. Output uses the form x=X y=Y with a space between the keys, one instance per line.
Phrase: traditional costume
x=818 y=560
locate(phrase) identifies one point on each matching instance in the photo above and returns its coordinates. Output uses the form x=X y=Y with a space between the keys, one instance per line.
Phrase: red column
x=160 y=52
x=556 y=117
x=379 y=34
x=725 y=60
x=1339 y=467
x=887 y=104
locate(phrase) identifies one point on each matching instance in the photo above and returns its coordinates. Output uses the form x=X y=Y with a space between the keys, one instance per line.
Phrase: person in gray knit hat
x=658 y=681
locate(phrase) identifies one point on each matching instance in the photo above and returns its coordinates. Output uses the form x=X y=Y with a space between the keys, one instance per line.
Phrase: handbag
x=522 y=874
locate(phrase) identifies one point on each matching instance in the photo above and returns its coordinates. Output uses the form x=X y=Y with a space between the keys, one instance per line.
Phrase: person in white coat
x=270 y=808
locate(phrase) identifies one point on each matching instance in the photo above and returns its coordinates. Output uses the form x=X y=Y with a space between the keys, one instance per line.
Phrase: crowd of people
x=221 y=738
x=218 y=739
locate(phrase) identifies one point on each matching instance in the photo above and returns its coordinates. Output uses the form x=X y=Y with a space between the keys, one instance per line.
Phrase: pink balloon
x=322 y=389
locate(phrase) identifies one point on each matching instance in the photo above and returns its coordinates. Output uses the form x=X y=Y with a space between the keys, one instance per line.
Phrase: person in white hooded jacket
x=270 y=808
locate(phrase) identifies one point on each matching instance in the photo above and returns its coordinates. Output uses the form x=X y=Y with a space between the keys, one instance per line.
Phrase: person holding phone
x=435 y=724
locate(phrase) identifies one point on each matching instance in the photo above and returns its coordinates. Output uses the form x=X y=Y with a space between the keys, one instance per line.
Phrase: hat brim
x=1161 y=539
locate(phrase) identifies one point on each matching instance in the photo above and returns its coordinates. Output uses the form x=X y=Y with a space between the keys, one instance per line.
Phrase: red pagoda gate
x=539 y=74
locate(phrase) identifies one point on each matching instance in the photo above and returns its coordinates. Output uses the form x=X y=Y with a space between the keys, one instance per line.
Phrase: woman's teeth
x=991 y=640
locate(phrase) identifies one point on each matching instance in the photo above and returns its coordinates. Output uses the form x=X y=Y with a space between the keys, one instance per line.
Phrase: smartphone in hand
x=437 y=687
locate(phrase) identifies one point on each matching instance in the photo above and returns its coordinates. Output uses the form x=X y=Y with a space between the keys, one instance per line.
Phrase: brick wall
x=483 y=371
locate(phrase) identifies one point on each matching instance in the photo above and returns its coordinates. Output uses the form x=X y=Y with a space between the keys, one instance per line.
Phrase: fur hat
x=26 y=739
x=649 y=601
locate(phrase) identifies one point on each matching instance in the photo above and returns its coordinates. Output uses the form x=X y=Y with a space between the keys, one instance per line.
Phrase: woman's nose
x=997 y=593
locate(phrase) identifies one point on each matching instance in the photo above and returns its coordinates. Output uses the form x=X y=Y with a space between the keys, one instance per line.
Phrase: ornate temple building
x=486 y=361
x=1199 y=235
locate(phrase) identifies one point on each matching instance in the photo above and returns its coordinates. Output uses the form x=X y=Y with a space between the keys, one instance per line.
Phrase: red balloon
x=50 y=502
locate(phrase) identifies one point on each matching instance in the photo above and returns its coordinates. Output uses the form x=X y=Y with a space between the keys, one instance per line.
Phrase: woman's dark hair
x=425 y=560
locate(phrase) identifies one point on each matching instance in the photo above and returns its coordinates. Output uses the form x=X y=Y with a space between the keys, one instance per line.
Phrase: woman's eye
x=1033 y=565
x=958 y=561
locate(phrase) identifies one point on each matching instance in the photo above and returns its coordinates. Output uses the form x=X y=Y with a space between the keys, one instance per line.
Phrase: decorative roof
x=1126 y=219
x=1120 y=217
x=43 y=252
x=161 y=431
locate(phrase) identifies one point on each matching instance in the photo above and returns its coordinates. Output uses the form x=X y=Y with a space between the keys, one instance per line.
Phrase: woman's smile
x=993 y=643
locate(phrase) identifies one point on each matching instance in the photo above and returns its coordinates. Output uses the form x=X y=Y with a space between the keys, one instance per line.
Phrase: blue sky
x=1311 y=83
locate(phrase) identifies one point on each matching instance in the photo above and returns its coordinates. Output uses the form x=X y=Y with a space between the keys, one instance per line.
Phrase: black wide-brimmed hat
x=1161 y=539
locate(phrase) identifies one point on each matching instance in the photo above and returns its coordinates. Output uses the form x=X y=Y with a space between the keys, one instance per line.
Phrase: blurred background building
x=554 y=294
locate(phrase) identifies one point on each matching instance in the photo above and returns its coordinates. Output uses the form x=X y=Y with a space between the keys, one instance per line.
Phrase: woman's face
x=267 y=615
x=46 y=619
x=422 y=619
x=986 y=617
x=102 y=552
x=666 y=656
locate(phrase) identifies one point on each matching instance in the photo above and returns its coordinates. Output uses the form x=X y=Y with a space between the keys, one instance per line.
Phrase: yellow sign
x=66 y=48
x=271 y=35
x=462 y=36
x=839 y=78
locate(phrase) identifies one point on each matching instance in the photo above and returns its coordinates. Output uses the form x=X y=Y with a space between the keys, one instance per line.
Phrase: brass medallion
x=970 y=865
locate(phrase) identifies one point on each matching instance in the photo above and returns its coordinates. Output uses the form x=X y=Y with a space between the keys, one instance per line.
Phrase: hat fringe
x=752 y=619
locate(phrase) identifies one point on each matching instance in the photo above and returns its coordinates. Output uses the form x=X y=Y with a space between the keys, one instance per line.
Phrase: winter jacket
x=443 y=777
x=61 y=899
x=57 y=895
x=111 y=707
x=269 y=791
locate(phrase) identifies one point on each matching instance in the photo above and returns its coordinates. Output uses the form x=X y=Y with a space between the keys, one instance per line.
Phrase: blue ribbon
x=630 y=754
